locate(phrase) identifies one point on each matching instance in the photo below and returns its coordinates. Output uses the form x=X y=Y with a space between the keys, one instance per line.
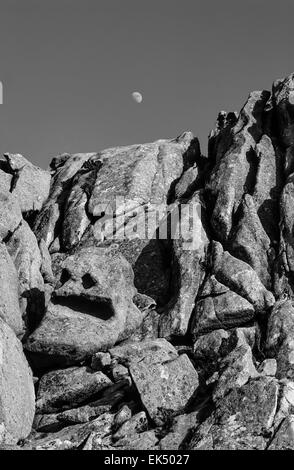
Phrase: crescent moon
x=137 y=97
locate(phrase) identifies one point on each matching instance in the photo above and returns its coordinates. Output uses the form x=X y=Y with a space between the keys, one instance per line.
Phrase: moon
x=137 y=97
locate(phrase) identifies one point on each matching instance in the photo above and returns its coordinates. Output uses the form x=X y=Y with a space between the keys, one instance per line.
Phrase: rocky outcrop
x=146 y=291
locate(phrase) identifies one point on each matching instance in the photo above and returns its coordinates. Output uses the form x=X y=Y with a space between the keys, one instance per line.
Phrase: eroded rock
x=165 y=389
x=17 y=396
x=62 y=389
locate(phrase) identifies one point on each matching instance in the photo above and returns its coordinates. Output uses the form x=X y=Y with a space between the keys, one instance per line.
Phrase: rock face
x=146 y=291
x=17 y=396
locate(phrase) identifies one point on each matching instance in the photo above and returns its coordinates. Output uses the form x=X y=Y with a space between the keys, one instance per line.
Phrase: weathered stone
x=83 y=414
x=139 y=173
x=149 y=328
x=181 y=427
x=123 y=415
x=24 y=251
x=9 y=298
x=222 y=134
x=268 y=367
x=210 y=348
x=10 y=214
x=46 y=263
x=233 y=175
x=17 y=396
x=189 y=256
x=30 y=184
x=109 y=273
x=92 y=308
x=235 y=371
x=282 y=94
x=154 y=351
x=139 y=181
x=220 y=311
x=284 y=437
x=5 y=181
x=120 y=372
x=144 y=441
x=100 y=361
x=242 y=420
x=251 y=243
x=136 y=424
x=286 y=223
x=76 y=220
x=187 y=182
x=211 y=287
x=72 y=437
x=241 y=278
x=280 y=338
x=46 y=224
x=268 y=185
x=63 y=389
x=165 y=389
x=285 y=402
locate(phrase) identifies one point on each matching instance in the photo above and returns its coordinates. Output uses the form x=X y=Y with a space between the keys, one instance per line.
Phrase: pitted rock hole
x=65 y=276
x=88 y=281
x=101 y=308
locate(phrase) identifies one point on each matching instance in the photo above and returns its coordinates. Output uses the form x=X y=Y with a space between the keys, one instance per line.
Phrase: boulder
x=220 y=311
x=234 y=173
x=136 y=424
x=165 y=389
x=17 y=396
x=10 y=214
x=280 y=338
x=30 y=184
x=53 y=422
x=155 y=351
x=144 y=441
x=182 y=426
x=9 y=293
x=241 y=278
x=188 y=263
x=139 y=173
x=46 y=223
x=24 y=251
x=92 y=307
x=251 y=243
x=72 y=437
x=67 y=388
x=243 y=419
x=235 y=371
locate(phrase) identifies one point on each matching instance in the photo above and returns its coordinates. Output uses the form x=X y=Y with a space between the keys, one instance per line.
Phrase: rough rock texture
x=242 y=420
x=9 y=300
x=61 y=388
x=30 y=184
x=166 y=388
x=280 y=338
x=152 y=288
x=17 y=396
x=91 y=308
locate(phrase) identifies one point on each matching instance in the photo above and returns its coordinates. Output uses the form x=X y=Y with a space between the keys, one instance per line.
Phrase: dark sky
x=68 y=68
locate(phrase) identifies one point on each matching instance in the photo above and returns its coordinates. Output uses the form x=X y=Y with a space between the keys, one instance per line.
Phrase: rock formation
x=147 y=292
